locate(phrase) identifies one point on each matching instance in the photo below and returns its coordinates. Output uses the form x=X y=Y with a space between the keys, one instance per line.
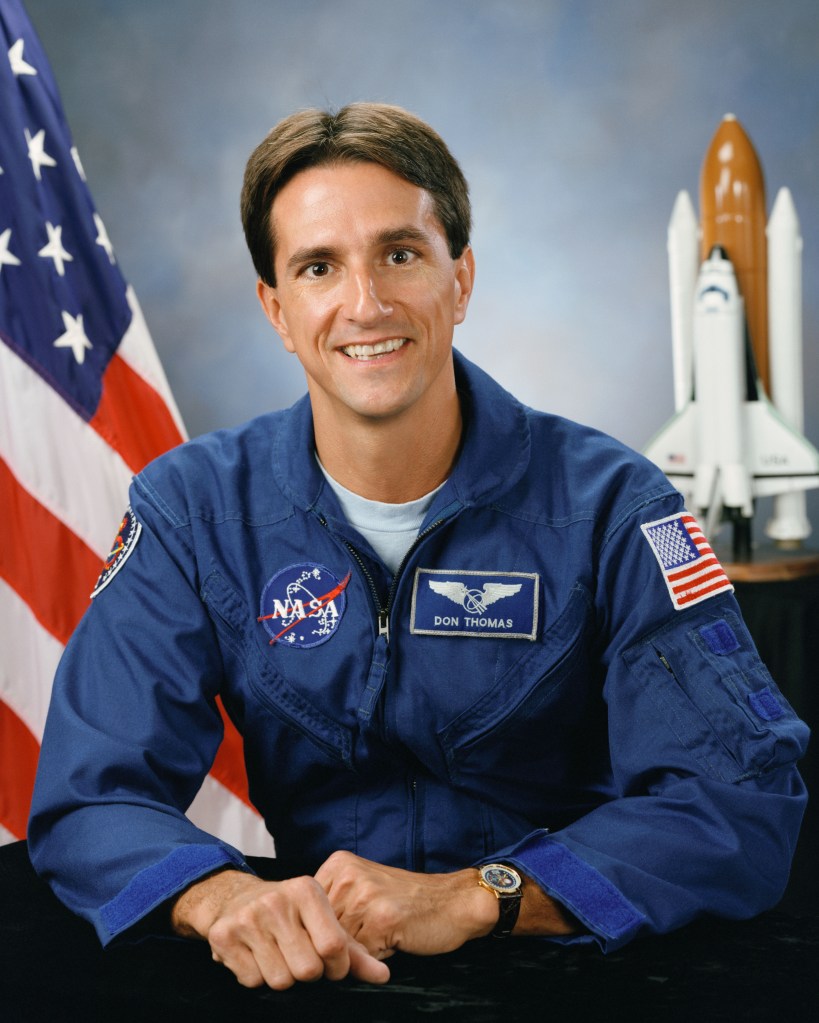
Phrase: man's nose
x=365 y=298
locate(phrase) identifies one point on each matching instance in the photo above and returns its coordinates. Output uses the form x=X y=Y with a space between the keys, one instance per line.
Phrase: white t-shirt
x=390 y=528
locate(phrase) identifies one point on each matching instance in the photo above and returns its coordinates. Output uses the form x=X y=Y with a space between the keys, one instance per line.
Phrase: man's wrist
x=195 y=909
x=486 y=905
x=505 y=883
x=540 y=915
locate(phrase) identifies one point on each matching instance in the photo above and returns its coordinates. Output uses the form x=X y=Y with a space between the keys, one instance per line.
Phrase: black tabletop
x=52 y=968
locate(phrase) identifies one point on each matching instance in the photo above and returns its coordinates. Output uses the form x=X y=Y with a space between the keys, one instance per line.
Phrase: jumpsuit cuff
x=160 y=882
x=606 y=913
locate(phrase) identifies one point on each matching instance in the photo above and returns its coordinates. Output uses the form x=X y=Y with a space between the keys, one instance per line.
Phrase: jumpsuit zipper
x=378 y=668
x=382 y=611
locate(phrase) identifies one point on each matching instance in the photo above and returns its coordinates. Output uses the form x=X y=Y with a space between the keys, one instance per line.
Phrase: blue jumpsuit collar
x=494 y=454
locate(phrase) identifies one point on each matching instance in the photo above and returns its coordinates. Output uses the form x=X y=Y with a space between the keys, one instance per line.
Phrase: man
x=450 y=629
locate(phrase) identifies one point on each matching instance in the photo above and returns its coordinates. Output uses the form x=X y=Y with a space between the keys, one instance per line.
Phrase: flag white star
x=103 y=239
x=6 y=257
x=74 y=337
x=37 y=154
x=18 y=65
x=54 y=248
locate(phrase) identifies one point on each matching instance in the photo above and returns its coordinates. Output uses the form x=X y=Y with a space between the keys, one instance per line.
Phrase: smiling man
x=367 y=296
x=490 y=676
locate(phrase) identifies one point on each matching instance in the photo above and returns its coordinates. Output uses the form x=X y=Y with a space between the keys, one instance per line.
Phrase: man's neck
x=391 y=460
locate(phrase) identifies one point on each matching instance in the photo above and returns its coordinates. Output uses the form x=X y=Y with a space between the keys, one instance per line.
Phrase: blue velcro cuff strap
x=585 y=892
x=155 y=884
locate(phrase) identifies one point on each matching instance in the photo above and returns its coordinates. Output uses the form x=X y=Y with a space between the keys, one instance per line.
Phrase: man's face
x=367 y=295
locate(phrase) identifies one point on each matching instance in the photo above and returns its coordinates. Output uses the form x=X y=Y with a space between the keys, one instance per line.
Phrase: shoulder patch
x=126 y=539
x=690 y=568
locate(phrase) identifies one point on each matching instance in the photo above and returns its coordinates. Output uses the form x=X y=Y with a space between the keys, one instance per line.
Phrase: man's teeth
x=371 y=351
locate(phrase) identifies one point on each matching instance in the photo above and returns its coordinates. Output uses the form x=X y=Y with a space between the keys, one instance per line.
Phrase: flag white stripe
x=6 y=837
x=27 y=662
x=137 y=349
x=689 y=588
x=218 y=812
x=50 y=451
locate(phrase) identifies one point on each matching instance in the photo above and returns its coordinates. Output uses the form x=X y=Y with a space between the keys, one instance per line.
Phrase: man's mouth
x=365 y=352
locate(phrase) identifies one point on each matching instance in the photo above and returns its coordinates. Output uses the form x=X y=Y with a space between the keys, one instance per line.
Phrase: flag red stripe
x=723 y=584
x=229 y=765
x=51 y=569
x=19 y=751
x=698 y=566
x=700 y=581
x=132 y=417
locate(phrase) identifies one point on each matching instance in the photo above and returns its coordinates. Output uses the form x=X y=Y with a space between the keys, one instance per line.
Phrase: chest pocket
x=511 y=734
x=236 y=627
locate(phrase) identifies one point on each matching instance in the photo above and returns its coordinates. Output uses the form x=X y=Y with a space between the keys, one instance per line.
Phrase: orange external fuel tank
x=733 y=215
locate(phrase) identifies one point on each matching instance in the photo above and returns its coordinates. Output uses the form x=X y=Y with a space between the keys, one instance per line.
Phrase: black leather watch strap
x=508 y=911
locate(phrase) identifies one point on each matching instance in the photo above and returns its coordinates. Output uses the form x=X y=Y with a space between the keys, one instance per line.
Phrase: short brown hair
x=360 y=132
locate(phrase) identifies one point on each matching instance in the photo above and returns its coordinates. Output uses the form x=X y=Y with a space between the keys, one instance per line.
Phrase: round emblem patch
x=302 y=605
x=127 y=536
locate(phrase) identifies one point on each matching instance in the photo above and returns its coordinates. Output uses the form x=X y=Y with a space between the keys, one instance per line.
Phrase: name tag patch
x=501 y=605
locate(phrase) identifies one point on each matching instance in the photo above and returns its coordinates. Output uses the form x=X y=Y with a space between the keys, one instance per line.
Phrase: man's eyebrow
x=401 y=234
x=306 y=256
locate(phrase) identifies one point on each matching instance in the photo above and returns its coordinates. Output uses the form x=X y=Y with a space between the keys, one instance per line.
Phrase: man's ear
x=464 y=282
x=269 y=299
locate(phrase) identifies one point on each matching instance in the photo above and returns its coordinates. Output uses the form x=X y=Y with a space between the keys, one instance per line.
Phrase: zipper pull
x=384 y=624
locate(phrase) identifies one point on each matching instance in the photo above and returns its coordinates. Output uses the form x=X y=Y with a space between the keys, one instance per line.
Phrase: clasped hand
x=346 y=920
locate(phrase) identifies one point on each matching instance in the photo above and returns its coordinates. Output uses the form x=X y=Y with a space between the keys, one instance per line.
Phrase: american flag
x=84 y=404
x=691 y=570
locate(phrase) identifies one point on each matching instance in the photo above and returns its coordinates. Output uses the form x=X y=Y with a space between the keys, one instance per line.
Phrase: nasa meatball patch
x=126 y=539
x=691 y=570
x=302 y=605
x=500 y=605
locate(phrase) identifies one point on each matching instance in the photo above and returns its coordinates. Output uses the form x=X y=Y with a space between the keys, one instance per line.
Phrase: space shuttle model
x=736 y=329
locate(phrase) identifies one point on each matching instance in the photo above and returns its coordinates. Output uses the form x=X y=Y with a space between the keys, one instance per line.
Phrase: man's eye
x=400 y=256
x=317 y=270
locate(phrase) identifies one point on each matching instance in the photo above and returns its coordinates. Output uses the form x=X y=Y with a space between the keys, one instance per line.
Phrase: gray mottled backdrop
x=576 y=123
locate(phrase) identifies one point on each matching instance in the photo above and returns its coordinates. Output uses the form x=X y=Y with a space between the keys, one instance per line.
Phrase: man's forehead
x=358 y=199
x=334 y=184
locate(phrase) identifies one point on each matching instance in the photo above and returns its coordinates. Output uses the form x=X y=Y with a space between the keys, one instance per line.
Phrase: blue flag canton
x=672 y=543
x=63 y=304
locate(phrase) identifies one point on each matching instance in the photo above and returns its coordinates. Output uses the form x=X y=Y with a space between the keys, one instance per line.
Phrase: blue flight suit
x=533 y=686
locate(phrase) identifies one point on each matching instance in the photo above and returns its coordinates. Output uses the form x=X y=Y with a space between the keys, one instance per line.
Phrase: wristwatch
x=506 y=885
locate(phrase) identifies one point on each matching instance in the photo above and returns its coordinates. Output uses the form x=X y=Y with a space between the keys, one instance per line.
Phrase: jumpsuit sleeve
x=708 y=801
x=132 y=731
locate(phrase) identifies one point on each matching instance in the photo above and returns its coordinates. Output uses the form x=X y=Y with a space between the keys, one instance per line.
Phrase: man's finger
x=367 y=968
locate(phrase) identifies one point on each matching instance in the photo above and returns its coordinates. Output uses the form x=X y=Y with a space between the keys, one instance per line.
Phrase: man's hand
x=273 y=932
x=386 y=908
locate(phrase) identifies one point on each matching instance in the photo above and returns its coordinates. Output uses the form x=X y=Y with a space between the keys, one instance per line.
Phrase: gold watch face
x=503 y=879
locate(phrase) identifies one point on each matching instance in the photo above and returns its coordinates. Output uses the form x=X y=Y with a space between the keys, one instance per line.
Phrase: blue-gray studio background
x=576 y=122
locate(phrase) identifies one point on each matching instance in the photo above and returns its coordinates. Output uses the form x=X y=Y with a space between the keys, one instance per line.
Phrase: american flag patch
x=691 y=570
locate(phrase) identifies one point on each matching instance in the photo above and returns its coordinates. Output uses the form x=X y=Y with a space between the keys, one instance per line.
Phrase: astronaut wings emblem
x=473 y=600
x=449 y=602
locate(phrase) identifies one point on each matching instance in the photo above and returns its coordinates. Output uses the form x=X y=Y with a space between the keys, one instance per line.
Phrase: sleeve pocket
x=710 y=686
